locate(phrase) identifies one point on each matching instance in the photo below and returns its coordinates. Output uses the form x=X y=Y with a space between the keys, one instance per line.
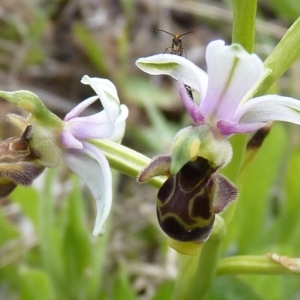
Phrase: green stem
x=126 y=160
x=283 y=56
x=251 y=264
x=243 y=30
x=196 y=273
x=232 y=170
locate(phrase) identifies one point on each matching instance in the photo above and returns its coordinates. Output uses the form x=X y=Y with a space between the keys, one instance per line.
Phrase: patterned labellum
x=189 y=199
x=185 y=202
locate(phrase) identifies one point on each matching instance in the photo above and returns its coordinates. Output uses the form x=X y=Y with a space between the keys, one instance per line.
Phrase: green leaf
x=122 y=288
x=141 y=91
x=8 y=230
x=50 y=236
x=34 y=36
x=285 y=54
x=76 y=246
x=35 y=284
x=283 y=287
x=165 y=291
x=230 y=288
x=286 y=229
x=91 y=47
x=28 y=199
x=252 y=207
x=288 y=9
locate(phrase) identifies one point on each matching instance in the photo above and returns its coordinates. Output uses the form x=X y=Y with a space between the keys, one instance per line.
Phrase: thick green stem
x=126 y=160
x=243 y=32
x=197 y=273
x=243 y=28
x=282 y=57
x=251 y=264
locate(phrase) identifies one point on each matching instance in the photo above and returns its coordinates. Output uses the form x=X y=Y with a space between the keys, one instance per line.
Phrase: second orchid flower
x=72 y=138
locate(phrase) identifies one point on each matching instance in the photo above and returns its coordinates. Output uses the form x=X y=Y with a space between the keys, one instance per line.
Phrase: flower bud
x=46 y=126
x=18 y=162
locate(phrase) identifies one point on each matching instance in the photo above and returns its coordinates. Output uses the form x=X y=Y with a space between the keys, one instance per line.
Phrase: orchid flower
x=225 y=106
x=72 y=138
x=85 y=159
x=225 y=91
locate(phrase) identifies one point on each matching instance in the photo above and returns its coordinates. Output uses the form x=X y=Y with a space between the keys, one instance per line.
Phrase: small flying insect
x=177 y=49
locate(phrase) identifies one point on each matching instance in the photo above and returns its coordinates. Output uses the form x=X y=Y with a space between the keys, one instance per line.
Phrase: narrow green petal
x=177 y=67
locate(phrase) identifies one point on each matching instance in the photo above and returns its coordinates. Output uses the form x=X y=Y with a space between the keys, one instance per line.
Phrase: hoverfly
x=177 y=49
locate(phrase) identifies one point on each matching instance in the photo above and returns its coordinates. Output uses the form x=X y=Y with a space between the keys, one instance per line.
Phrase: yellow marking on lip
x=186 y=248
x=194 y=149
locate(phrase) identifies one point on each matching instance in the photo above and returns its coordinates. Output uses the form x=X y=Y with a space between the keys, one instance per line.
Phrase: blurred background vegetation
x=46 y=247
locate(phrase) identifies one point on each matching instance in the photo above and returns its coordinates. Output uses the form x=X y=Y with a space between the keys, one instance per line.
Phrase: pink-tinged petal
x=190 y=105
x=269 y=108
x=120 y=125
x=225 y=192
x=177 y=67
x=78 y=109
x=68 y=141
x=91 y=165
x=91 y=127
x=232 y=72
x=108 y=95
x=160 y=165
x=227 y=128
